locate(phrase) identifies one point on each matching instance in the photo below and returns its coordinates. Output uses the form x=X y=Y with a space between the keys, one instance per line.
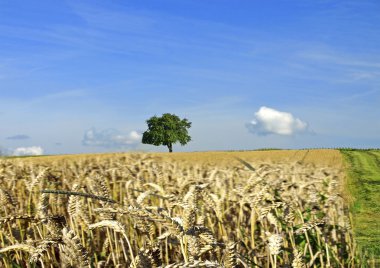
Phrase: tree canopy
x=166 y=130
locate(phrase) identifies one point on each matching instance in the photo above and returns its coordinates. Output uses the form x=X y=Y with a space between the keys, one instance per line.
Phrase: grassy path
x=363 y=183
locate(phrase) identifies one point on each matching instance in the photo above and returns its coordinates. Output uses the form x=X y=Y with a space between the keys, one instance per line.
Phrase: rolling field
x=207 y=209
x=325 y=157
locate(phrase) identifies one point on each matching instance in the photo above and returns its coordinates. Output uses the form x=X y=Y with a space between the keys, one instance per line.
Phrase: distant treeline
x=316 y=148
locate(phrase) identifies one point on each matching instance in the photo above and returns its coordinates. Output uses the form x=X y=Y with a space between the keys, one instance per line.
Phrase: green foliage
x=166 y=130
x=363 y=183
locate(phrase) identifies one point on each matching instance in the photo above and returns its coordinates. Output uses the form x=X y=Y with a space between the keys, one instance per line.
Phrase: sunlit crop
x=136 y=210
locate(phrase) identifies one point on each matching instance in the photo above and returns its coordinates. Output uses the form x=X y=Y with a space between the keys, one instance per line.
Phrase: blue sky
x=84 y=76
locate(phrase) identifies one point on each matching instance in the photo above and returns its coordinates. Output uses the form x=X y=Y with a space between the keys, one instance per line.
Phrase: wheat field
x=214 y=209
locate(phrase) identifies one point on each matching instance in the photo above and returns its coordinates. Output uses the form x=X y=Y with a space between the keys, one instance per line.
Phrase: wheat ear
x=101 y=198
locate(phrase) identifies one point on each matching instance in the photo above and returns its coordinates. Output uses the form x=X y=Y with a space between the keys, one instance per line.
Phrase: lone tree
x=166 y=130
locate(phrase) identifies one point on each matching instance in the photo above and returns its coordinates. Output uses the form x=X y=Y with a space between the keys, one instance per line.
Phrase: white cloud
x=33 y=150
x=110 y=138
x=270 y=121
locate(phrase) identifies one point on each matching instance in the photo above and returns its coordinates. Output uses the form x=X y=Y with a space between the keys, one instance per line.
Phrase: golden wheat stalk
x=195 y=264
x=97 y=197
x=309 y=225
x=117 y=227
x=74 y=248
x=24 y=247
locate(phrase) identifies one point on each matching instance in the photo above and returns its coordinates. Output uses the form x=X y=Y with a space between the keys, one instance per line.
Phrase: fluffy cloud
x=18 y=137
x=110 y=138
x=270 y=121
x=33 y=150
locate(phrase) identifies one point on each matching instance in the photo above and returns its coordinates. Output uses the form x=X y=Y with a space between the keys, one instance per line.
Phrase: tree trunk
x=170 y=148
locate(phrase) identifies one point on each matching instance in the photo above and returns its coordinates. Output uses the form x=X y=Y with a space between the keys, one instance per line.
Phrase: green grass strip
x=363 y=185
